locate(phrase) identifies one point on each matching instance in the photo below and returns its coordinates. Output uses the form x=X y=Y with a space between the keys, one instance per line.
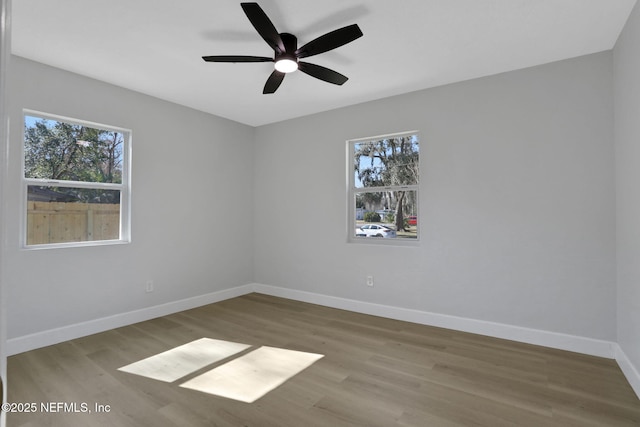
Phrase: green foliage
x=389 y=162
x=371 y=217
x=70 y=152
x=371 y=199
x=389 y=217
x=392 y=161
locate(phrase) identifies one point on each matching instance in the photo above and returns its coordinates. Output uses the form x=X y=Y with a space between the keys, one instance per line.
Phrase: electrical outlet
x=370 y=281
x=149 y=286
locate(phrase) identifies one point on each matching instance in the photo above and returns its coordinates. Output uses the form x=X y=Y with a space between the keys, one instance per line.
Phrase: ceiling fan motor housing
x=287 y=61
x=290 y=43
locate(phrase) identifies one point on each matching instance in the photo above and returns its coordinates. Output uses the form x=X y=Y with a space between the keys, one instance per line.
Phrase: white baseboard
x=65 y=333
x=516 y=333
x=629 y=371
x=556 y=340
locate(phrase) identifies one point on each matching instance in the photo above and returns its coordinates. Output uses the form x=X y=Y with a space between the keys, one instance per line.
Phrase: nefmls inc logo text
x=72 y=407
x=53 y=407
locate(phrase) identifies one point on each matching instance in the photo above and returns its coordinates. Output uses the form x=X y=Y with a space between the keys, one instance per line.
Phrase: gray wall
x=517 y=201
x=192 y=202
x=627 y=137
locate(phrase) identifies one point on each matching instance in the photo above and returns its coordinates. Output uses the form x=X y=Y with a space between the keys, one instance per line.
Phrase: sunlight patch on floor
x=253 y=375
x=246 y=378
x=180 y=361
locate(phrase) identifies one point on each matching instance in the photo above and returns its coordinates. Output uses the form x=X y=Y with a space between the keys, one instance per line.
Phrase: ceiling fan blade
x=322 y=73
x=263 y=26
x=236 y=58
x=273 y=82
x=330 y=41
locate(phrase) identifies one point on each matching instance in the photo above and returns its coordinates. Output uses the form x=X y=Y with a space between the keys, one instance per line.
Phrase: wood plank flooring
x=376 y=372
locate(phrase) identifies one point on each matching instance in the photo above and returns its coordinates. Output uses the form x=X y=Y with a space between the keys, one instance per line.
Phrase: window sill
x=75 y=245
x=381 y=241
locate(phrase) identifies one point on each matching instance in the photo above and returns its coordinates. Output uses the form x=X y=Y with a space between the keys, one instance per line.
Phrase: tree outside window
x=75 y=176
x=384 y=184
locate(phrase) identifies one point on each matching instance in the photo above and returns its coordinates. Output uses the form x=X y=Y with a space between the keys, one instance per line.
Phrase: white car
x=375 y=230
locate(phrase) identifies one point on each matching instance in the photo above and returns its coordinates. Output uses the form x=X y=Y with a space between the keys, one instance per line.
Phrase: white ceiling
x=155 y=46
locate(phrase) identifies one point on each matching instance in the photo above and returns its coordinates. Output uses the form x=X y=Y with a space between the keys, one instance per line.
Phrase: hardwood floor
x=376 y=372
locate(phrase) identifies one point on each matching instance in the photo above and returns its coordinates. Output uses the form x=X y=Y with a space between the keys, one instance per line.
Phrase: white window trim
x=352 y=191
x=124 y=187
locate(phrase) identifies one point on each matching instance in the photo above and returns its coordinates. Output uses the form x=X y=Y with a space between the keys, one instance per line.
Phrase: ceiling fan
x=287 y=54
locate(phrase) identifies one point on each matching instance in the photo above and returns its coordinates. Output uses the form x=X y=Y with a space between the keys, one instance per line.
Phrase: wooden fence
x=60 y=222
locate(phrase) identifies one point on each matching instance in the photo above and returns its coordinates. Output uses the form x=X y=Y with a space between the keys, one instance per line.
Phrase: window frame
x=124 y=187
x=352 y=191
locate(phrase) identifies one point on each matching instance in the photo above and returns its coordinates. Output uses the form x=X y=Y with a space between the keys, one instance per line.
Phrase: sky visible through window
x=89 y=153
x=374 y=162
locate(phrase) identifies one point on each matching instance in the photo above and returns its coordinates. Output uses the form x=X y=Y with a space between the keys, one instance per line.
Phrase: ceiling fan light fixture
x=286 y=65
x=286 y=51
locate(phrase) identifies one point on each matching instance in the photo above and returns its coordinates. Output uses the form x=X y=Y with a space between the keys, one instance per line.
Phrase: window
x=75 y=182
x=383 y=188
